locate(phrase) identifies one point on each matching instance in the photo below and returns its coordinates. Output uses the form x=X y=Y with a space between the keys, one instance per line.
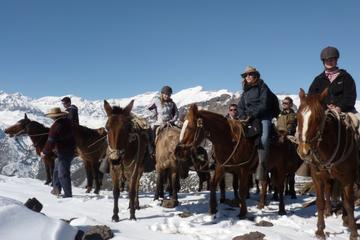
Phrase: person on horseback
x=232 y=112
x=71 y=109
x=254 y=105
x=61 y=140
x=286 y=121
x=341 y=86
x=166 y=112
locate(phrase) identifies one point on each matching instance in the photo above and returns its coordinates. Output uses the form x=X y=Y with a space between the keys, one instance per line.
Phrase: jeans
x=263 y=151
x=61 y=175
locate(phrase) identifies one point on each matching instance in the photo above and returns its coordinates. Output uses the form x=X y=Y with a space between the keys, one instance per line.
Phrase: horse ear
x=108 y=108
x=324 y=94
x=302 y=95
x=193 y=110
x=128 y=108
x=25 y=117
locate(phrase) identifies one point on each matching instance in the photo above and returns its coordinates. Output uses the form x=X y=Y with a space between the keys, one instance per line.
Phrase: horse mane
x=38 y=125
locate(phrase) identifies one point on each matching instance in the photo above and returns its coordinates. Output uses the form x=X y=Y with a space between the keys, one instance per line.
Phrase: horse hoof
x=260 y=206
x=88 y=190
x=96 y=191
x=282 y=212
x=133 y=218
x=320 y=235
x=47 y=182
x=354 y=236
x=115 y=218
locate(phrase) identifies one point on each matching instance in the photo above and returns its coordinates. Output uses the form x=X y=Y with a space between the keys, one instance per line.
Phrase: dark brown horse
x=38 y=134
x=329 y=146
x=234 y=153
x=169 y=168
x=91 y=146
x=127 y=144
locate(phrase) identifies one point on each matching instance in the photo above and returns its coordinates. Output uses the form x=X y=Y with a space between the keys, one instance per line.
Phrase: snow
x=153 y=221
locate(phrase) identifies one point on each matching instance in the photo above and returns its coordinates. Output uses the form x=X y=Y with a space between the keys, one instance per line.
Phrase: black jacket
x=254 y=101
x=342 y=91
x=73 y=114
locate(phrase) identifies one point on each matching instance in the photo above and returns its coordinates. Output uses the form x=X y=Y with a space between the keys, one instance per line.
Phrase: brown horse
x=168 y=166
x=234 y=153
x=38 y=134
x=127 y=144
x=329 y=146
x=91 y=146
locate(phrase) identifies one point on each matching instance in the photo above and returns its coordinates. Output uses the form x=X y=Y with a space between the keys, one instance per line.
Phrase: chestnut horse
x=234 y=153
x=168 y=166
x=328 y=145
x=127 y=144
x=38 y=134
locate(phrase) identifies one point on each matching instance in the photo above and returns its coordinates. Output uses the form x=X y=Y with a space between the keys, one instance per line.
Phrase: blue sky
x=114 y=49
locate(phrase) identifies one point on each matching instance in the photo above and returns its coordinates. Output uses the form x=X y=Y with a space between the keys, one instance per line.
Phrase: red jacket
x=61 y=138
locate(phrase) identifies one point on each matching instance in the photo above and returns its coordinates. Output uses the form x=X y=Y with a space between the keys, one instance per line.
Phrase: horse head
x=20 y=127
x=311 y=117
x=118 y=128
x=192 y=133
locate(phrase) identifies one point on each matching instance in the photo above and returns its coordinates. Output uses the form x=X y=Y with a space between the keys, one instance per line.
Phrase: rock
x=98 y=232
x=250 y=236
x=264 y=224
x=33 y=204
x=185 y=214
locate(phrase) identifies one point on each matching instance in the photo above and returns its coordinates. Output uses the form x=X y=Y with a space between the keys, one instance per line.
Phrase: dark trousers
x=61 y=176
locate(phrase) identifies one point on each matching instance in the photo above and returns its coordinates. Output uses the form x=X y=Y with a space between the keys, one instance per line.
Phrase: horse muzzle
x=115 y=154
x=304 y=151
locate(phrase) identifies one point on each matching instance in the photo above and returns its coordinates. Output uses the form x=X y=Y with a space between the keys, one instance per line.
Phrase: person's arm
x=348 y=99
x=241 y=108
x=52 y=138
x=175 y=113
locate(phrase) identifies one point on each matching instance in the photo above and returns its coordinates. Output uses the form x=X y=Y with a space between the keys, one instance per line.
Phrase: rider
x=286 y=120
x=71 y=109
x=166 y=112
x=232 y=112
x=254 y=104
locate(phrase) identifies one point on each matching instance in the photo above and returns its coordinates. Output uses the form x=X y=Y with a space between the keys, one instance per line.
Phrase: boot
x=261 y=170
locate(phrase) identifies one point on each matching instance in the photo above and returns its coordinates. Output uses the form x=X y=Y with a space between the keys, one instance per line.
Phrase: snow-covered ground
x=153 y=221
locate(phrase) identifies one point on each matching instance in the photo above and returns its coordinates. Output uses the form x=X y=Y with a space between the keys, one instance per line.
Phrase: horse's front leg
x=159 y=192
x=116 y=194
x=280 y=182
x=243 y=188
x=263 y=190
x=214 y=182
x=235 y=185
x=327 y=196
x=320 y=205
x=174 y=184
x=132 y=192
x=348 y=194
x=222 y=190
x=97 y=175
x=89 y=176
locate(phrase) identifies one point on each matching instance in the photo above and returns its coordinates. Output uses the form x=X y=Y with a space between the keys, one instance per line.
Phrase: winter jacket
x=165 y=112
x=73 y=114
x=254 y=101
x=61 y=138
x=286 y=121
x=341 y=92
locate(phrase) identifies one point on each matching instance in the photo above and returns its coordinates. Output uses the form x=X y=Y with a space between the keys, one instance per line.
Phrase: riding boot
x=261 y=170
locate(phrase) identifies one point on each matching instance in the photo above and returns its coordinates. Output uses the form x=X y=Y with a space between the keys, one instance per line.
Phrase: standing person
x=341 y=86
x=71 y=109
x=286 y=120
x=232 y=112
x=255 y=104
x=61 y=140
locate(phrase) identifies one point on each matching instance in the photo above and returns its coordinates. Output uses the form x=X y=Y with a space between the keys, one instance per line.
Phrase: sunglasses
x=285 y=103
x=253 y=74
x=232 y=109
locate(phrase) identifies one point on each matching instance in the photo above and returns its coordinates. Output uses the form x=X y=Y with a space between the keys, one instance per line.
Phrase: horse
x=38 y=134
x=328 y=145
x=168 y=166
x=234 y=153
x=91 y=147
x=127 y=144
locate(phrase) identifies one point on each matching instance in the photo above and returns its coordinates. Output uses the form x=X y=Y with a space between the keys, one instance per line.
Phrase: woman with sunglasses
x=254 y=104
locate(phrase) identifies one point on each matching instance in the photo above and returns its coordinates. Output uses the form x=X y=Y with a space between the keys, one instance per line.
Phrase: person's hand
x=334 y=107
x=42 y=155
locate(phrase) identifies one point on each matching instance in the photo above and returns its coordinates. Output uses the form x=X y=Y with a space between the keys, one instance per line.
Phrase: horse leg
x=201 y=181
x=214 y=182
x=236 y=186
x=262 y=196
x=348 y=195
x=137 y=204
x=208 y=179
x=243 y=191
x=132 y=192
x=280 y=181
x=291 y=184
x=116 y=194
x=222 y=190
x=159 y=192
x=89 y=176
x=327 y=195
x=175 y=188
x=96 y=173
x=320 y=205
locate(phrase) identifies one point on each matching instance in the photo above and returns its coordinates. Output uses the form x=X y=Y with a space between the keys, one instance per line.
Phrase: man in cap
x=61 y=140
x=71 y=109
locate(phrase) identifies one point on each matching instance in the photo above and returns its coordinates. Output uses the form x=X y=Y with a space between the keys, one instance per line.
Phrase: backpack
x=273 y=104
